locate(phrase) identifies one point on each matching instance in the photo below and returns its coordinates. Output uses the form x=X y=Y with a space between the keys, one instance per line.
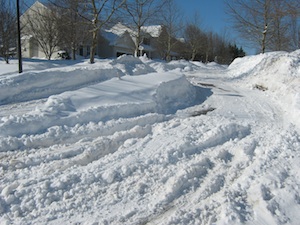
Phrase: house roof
x=119 y=30
x=114 y=33
x=154 y=30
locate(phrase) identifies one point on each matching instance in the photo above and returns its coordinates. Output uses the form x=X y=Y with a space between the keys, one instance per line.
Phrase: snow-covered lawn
x=137 y=141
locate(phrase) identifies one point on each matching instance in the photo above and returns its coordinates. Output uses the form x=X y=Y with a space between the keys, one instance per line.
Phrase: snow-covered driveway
x=216 y=152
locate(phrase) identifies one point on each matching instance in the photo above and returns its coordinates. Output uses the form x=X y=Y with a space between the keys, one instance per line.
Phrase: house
x=120 y=39
x=116 y=41
x=150 y=36
x=112 y=42
x=30 y=46
x=40 y=42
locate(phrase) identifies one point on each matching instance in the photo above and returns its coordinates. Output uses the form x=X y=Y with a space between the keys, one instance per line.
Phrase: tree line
x=266 y=24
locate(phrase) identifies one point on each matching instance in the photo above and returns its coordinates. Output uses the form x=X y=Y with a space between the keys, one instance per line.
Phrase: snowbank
x=136 y=141
x=115 y=95
x=277 y=72
x=41 y=84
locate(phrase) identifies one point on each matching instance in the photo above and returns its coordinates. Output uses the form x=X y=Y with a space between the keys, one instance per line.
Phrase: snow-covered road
x=228 y=155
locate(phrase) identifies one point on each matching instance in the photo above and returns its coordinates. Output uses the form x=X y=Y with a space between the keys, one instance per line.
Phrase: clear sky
x=211 y=13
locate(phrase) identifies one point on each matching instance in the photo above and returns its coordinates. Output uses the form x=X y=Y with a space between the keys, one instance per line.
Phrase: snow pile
x=42 y=84
x=114 y=98
x=136 y=141
x=131 y=65
x=277 y=72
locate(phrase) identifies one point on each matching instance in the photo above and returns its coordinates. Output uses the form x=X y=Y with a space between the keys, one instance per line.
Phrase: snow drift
x=278 y=72
x=137 y=141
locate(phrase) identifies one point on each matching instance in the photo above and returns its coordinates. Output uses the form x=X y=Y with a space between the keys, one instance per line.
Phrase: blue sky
x=212 y=13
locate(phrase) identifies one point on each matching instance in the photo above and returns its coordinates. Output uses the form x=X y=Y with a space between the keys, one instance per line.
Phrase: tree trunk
x=94 y=45
x=74 y=54
x=137 y=45
x=263 y=43
x=168 y=58
x=74 y=51
x=193 y=55
x=6 y=57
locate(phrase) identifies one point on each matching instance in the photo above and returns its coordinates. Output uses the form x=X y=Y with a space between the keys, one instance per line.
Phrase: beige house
x=112 y=42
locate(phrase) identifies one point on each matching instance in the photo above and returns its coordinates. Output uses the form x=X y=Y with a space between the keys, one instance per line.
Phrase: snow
x=138 y=141
x=154 y=30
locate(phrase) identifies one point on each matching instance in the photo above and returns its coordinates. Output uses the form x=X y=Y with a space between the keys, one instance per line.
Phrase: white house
x=30 y=46
x=112 y=42
x=120 y=39
x=115 y=41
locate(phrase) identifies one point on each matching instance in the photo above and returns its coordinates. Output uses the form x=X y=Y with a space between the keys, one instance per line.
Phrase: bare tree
x=195 y=39
x=172 y=24
x=140 y=12
x=100 y=13
x=251 y=19
x=282 y=26
x=293 y=7
x=268 y=23
x=7 y=29
x=42 y=23
x=208 y=46
x=72 y=27
x=83 y=15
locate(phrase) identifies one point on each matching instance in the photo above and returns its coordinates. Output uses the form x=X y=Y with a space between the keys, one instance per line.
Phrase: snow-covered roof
x=154 y=30
x=146 y=47
x=119 y=29
x=115 y=32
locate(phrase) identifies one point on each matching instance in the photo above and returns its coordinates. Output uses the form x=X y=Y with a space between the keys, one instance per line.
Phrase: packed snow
x=141 y=141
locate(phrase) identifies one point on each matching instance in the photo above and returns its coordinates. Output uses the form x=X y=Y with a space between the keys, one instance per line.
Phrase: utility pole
x=19 y=39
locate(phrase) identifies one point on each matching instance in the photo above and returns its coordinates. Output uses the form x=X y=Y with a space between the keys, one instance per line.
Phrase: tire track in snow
x=219 y=170
x=104 y=137
x=233 y=170
x=227 y=164
x=192 y=167
x=68 y=135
